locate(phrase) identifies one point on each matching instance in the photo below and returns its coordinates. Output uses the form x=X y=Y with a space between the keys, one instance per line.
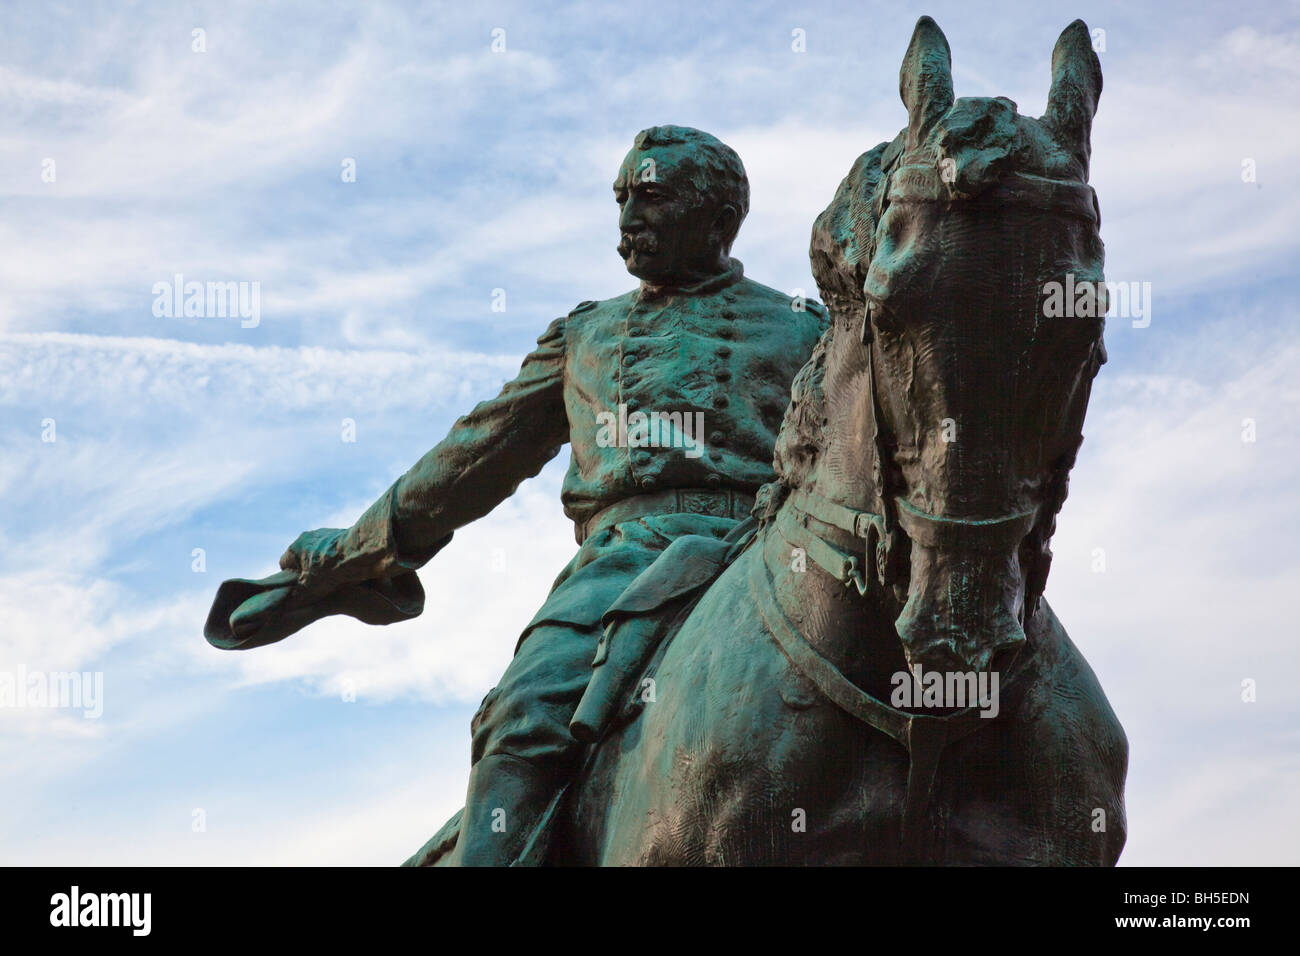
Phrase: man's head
x=682 y=196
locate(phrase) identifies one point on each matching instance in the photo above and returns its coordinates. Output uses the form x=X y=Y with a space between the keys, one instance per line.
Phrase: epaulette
x=583 y=307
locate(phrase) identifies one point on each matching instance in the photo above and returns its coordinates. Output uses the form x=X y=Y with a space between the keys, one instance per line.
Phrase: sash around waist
x=722 y=503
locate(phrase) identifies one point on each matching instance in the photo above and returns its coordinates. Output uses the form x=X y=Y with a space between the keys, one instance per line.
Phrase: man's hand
x=330 y=558
x=322 y=560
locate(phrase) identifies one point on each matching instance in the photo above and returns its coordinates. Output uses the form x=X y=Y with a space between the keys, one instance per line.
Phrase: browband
x=923 y=183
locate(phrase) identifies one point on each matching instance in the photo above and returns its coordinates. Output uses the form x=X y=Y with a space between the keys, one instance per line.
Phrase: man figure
x=626 y=382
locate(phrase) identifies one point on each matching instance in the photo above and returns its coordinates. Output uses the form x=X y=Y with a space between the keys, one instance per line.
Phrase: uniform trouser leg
x=522 y=749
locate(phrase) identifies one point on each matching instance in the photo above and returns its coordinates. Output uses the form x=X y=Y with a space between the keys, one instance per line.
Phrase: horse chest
x=750 y=765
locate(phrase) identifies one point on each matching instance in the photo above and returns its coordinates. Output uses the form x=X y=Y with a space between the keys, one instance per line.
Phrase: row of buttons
x=719 y=401
x=717 y=440
x=722 y=351
x=637 y=332
x=648 y=482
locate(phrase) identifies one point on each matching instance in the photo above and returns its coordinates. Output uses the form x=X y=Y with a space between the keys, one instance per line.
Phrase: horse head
x=952 y=247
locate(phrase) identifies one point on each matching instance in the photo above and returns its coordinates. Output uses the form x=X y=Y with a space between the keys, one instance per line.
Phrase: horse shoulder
x=1081 y=748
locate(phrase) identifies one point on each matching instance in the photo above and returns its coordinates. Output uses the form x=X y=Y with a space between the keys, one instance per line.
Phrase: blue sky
x=478 y=171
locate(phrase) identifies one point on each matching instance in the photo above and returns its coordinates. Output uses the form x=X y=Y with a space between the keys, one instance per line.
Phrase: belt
x=696 y=501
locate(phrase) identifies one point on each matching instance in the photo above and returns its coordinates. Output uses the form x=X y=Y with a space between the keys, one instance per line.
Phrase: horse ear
x=925 y=79
x=1076 y=87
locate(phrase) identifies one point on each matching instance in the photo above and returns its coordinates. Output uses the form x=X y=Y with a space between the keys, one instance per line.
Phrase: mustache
x=644 y=242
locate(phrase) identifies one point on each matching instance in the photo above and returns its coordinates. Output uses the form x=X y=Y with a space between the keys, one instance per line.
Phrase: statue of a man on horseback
x=918 y=472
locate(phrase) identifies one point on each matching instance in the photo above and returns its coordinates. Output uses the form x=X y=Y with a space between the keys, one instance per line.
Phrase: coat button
x=636 y=330
x=722 y=351
x=631 y=404
x=642 y=456
x=629 y=359
x=719 y=401
x=724 y=375
x=718 y=438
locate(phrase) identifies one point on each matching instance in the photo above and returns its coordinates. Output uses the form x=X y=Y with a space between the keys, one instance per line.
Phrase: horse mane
x=843 y=242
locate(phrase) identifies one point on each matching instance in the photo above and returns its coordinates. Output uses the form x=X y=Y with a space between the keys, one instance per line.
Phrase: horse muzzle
x=965 y=593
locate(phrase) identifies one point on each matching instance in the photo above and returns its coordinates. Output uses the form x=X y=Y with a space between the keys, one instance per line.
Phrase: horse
x=920 y=469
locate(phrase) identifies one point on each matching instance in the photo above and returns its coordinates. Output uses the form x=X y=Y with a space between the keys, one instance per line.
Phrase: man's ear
x=725 y=223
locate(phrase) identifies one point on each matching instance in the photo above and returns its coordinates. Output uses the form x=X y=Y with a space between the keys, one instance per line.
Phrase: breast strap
x=923 y=736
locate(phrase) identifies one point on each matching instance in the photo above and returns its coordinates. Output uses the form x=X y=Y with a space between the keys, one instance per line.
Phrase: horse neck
x=845 y=468
x=854 y=632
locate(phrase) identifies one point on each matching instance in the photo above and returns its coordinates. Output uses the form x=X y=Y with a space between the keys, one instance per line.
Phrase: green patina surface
x=913 y=440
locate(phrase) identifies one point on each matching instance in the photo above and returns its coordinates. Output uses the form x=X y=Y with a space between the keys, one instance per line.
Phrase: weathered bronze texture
x=704 y=690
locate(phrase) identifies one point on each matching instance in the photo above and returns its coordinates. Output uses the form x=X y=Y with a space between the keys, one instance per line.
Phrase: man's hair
x=711 y=167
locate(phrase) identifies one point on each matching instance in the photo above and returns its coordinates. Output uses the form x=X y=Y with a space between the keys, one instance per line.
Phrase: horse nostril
x=943 y=638
x=963 y=605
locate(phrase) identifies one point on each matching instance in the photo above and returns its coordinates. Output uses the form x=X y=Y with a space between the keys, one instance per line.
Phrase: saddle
x=639 y=626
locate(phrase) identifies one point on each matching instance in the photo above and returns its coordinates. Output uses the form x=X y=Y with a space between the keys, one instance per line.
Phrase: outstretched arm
x=478 y=465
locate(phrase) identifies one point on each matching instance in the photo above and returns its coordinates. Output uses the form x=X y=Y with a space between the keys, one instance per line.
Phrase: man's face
x=667 y=234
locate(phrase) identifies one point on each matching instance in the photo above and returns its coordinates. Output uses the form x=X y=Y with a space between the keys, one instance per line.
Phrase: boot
x=505 y=802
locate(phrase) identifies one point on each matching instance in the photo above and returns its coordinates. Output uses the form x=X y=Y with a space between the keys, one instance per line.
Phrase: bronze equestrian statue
x=736 y=713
